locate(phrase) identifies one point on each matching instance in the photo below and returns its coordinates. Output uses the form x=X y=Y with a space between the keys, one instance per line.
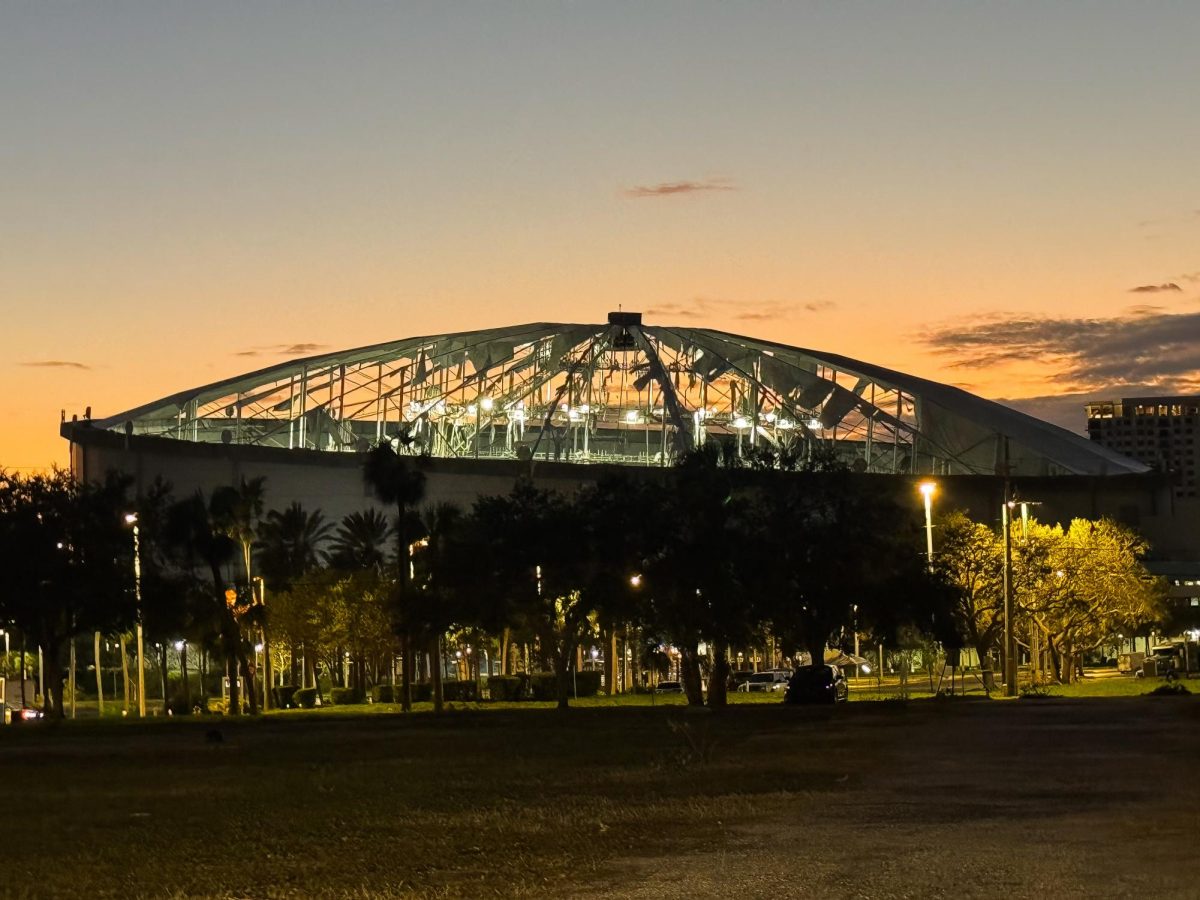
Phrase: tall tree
x=693 y=575
x=288 y=544
x=840 y=542
x=363 y=540
x=288 y=547
x=197 y=529
x=1082 y=585
x=398 y=483
x=68 y=564
x=970 y=557
x=530 y=551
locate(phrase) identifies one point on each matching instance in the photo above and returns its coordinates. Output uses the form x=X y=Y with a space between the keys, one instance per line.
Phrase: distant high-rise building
x=1158 y=431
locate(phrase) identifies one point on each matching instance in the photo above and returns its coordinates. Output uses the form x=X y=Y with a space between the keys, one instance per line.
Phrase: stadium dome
x=619 y=392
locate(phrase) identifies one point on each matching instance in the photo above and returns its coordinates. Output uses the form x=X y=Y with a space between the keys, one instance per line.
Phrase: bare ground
x=925 y=799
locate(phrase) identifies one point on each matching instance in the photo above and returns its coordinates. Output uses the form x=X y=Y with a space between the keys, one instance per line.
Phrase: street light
x=268 y=672
x=927 y=489
x=132 y=519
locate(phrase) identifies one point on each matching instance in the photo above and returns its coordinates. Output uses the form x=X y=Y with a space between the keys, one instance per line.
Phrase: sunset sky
x=1001 y=196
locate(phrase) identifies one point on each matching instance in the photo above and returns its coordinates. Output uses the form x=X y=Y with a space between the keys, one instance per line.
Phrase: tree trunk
x=52 y=699
x=162 y=668
x=247 y=668
x=203 y=679
x=985 y=667
x=562 y=669
x=1055 y=659
x=405 y=674
x=718 y=681
x=435 y=673
x=187 y=688
x=125 y=676
x=816 y=655
x=689 y=666
x=99 y=675
x=231 y=672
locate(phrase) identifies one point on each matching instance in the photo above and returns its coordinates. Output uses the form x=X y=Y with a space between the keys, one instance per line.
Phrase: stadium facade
x=564 y=402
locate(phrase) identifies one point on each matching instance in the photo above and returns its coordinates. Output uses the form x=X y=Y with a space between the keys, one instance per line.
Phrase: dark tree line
x=716 y=552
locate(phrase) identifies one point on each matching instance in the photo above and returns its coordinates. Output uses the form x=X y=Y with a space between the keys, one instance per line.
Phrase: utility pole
x=1010 y=669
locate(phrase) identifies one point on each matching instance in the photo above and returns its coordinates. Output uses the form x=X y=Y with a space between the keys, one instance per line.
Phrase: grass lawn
x=641 y=800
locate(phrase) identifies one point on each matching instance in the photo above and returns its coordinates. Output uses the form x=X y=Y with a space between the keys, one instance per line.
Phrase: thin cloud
x=299 y=349
x=672 y=188
x=679 y=310
x=739 y=310
x=1145 y=348
x=1155 y=288
x=56 y=364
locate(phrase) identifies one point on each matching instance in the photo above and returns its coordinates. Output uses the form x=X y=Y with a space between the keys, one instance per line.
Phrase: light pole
x=132 y=519
x=4 y=677
x=927 y=489
x=1010 y=668
x=268 y=674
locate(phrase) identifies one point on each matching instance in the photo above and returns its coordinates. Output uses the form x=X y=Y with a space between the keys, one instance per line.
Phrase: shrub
x=305 y=698
x=508 y=687
x=216 y=705
x=1035 y=692
x=341 y=696
x=1171 y=688
x=283 y=696
x=587 y=684
x=180 y=705
x=422 y=691
x=460 y=691
x=382 y=693
x=543 y=686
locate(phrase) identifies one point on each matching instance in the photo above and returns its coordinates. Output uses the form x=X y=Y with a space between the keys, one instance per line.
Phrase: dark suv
x=817 y=684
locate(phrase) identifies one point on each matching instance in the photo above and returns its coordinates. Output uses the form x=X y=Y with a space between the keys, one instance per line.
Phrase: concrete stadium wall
x=333 y=483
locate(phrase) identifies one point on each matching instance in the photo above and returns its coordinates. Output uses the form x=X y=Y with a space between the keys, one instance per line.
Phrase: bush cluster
x=508 y=687
x=341 y=696
x=305 y=698
x=460 y=691
x=382 y=693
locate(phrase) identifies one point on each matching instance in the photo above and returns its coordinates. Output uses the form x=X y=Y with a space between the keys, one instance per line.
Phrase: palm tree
x=196 y=530
x=397 y=483
x=289 y=544
x=288 y=548
x=439 y=561
x=236 y=511
x=361 y=541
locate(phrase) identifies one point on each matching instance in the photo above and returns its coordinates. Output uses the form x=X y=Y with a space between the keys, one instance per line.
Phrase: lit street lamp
x=132 y=519
x=927 y=489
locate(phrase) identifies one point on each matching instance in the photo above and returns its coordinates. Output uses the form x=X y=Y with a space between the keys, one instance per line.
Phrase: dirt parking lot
x=975 y=798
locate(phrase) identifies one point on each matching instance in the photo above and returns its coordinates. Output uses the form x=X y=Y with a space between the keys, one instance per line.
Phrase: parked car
x=769 y=681
x=14 y=714
x=817 y=684
x=668 y=687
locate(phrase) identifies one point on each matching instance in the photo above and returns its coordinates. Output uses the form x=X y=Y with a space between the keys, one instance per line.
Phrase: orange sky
x=185 y=185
